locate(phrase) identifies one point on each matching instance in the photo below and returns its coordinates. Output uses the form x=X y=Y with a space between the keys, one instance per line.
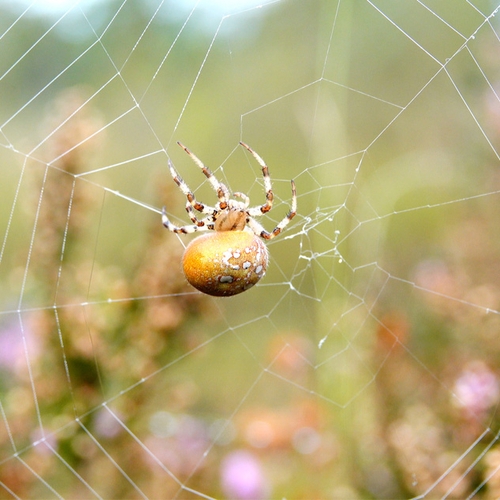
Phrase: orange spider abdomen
x=225 y=263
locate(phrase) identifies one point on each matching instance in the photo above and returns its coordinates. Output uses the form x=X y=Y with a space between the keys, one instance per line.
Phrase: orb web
x=364 y=363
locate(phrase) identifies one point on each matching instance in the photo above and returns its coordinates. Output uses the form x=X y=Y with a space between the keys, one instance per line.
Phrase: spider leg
x=244 y=197
x=196 y=221
x=187 y=192
x=259 y=230
x=203 y=225
x=267 y=180
x=220 y=189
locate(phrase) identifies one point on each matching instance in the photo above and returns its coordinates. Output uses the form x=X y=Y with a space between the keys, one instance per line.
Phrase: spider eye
x=225 y=263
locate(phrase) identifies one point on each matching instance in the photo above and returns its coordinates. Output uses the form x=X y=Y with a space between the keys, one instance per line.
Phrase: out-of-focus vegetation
x=366 y=362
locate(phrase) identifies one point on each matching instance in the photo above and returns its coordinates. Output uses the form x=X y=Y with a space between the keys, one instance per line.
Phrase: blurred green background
x=365 y=364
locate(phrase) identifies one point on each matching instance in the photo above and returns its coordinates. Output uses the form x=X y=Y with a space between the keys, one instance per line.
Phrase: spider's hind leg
x=201 y=225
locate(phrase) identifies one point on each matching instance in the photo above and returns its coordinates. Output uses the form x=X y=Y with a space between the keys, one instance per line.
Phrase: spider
x=232 y=258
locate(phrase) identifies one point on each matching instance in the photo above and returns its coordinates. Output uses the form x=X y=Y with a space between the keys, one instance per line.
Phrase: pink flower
x=242 y=477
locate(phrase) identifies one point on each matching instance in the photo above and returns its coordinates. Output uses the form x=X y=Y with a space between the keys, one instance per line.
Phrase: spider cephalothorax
x=232 y=258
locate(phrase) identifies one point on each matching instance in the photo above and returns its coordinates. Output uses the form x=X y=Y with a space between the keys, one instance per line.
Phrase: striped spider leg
x=228 y=214
x=219 y=188
x=255 y=226
x=191 y=205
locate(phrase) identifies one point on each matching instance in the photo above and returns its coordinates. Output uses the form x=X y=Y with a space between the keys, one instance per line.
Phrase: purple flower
x=106 y=423
x=16 y=344
x=477 y=388
x=242 y=477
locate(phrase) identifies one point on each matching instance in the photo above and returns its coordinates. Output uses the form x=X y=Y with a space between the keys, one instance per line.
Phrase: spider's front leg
x=259 y=230
x=187 y=192
x=219 y=187
x=267 y=180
